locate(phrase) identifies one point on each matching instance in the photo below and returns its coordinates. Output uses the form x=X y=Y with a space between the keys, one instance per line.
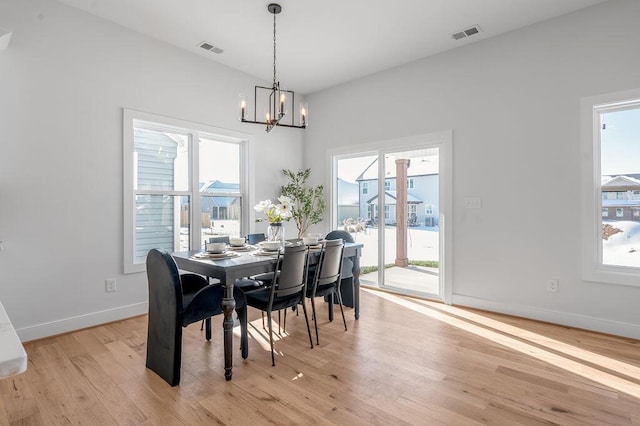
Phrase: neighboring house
x=422 y=192
x=347 y=200
x=621 y=197
x=223 y=207
x=154 y=154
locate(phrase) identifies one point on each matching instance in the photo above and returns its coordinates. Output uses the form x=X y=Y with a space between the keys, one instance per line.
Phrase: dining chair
x=175 y=301
x=255 y=238
x=346 y=279
x=223 y=239
x=288 y=289
x=325 y=281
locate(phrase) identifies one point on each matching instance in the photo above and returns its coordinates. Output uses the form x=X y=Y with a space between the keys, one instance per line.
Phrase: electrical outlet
x=473 y=203
x=552 y=286
x=110 y=285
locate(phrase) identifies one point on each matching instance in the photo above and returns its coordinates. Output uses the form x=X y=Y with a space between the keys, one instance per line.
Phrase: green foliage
x=308 y=203
x=426 y=263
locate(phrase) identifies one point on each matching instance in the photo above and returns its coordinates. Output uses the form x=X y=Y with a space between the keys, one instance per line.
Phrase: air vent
x=211 y=48
x=466 y=33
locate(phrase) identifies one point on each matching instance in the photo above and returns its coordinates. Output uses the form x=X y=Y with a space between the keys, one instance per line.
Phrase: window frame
x=591 y=109
x=194 y=131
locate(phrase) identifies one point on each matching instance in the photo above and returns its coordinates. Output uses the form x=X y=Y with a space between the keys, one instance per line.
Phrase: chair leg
x=315 y=319
x=273 y=358
x=207 y=323
x=279 y=324
x=306 y=319
x=202 y=325
x=341 y=309
x=284 y=322
x=244 y=333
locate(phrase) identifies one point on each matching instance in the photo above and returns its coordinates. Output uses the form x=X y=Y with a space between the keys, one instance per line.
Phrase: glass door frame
x=444 y=142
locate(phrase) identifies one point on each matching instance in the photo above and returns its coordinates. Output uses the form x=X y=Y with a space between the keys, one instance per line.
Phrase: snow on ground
x=623 y=248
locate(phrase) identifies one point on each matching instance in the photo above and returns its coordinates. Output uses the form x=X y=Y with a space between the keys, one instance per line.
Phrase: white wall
x=513 y=103
x=63 y=83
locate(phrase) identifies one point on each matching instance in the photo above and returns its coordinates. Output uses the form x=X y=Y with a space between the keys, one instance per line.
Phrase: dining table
x=241 y=263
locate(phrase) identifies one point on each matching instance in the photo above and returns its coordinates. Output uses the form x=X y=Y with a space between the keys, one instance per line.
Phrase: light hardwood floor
x=406 y=361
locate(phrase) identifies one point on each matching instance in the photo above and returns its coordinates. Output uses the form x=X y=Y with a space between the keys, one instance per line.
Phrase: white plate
x=262 y=252
x=224 y=255
x=241 y=248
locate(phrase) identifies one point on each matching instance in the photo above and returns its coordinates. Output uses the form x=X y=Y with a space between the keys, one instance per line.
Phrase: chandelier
x=276 y=101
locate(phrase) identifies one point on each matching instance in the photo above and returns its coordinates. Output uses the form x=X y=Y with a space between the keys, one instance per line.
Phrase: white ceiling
x=323 y=43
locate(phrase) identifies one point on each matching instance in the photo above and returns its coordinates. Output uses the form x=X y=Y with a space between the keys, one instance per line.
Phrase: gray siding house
x=156 y=220
x=422 y=193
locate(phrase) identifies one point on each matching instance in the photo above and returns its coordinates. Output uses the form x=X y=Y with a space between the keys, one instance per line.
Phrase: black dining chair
x=325 y=281
x=346 y=278
x=176 y=301
x=288 y=289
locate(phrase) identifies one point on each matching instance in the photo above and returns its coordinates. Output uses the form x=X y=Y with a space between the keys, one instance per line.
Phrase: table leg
x=356 y=286
x=228 y=306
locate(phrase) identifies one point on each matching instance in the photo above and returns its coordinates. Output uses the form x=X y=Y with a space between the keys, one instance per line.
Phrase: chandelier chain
x=274 y=50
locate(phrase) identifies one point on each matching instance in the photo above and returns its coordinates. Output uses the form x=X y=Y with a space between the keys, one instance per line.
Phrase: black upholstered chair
x=325 y=280
x=288 y=289
x=176 y=301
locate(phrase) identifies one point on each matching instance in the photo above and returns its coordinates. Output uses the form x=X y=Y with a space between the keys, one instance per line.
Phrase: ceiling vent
x=466 y=33
x=211 y=48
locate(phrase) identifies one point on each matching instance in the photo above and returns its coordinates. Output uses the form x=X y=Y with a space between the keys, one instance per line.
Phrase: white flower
x=263 y=206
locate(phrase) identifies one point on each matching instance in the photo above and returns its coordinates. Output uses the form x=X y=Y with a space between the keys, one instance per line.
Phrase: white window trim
x=129 y=264
x=592 y=267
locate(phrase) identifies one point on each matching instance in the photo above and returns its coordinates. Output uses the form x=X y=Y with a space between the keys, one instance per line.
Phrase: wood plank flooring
x=405 y=362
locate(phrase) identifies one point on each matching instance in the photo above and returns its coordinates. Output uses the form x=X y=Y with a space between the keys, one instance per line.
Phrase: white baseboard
x=563 y=318
x=66 y=325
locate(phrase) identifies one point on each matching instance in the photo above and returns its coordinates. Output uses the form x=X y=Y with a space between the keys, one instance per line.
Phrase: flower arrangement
x=275 y=213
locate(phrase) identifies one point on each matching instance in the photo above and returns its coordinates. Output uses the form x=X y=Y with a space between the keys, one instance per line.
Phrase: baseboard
x=563 y=318
x=66 y=325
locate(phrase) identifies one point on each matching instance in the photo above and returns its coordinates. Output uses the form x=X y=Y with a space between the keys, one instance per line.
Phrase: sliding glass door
x=393 y=202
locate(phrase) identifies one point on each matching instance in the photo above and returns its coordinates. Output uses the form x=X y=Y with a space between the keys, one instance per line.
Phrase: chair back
x=339 y=233
x=292 y=272
x=347 y=263
x=224 y=239
x=330 y=263
x=255 y=238
x=165 y=289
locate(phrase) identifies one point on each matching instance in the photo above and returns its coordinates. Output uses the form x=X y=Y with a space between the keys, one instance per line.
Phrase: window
x=410 y=183
x=181 y=185
x=365 y=188
x=386 y=211
x=610 y=134
x=428 y=210
x=387 y=184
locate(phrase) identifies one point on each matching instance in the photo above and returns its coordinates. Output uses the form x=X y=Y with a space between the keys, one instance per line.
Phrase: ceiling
x=323 y=43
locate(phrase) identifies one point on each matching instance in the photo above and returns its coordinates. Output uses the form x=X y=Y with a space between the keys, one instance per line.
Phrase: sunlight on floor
x=260 y=335
x=462 y=319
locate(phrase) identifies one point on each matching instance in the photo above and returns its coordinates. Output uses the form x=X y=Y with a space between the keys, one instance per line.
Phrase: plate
x=224 y=255
x=241 y=248
x=262 y=252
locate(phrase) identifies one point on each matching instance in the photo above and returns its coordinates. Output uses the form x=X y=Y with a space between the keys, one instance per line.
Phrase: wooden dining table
x=245 y=264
